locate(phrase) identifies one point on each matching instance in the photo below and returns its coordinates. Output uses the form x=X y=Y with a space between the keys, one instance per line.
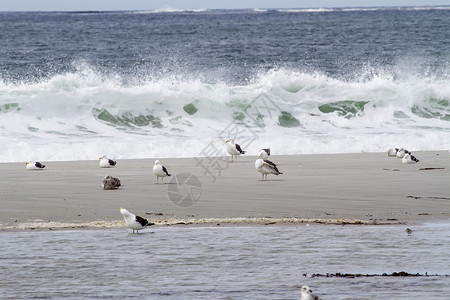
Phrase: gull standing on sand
x=264 y=153
x=105 y=162
x=265 y=167
x=234 y=149
x=110 y=183
x=34 y=165
x=392 y=152
x=160 y=171
x=409 y=159
x=401 y=153
x=307 y=294
x=134 y=222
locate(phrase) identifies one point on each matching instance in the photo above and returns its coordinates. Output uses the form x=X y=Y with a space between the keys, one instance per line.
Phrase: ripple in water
x=226 y=262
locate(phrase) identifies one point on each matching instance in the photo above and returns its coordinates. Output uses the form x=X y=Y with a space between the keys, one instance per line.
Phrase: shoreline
x=362 y=188
x=207 y=222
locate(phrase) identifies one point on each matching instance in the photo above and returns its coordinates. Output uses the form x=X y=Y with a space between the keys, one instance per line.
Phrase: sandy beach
x=362 y=188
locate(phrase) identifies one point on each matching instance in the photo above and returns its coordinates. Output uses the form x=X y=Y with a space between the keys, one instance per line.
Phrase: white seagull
x=234 y=149
x=34 y=165
x=264 y=153
x=401 y=153
x=307 y=294
x=392 y=152
x=134 y=222
x=265 y=167
x=409 y=159
x=105 y=162
x=110 y=183
x=160 y=171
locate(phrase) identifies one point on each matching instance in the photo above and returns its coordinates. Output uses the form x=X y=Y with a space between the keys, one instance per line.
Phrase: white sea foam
x=83 y=115
x=361 y=9
x=169 y=9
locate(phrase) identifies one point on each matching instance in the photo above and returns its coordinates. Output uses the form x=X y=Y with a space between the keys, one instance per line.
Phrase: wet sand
x=362 y=188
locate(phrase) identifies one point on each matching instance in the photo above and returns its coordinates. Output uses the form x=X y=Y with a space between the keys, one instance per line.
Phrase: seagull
x=34 y=165
x=160 y=171
x=409 y=159
x=265 y=167
x=392 y=152
x=307 y=294
x=401 y=153
x=408 y=231
x=110 y=183
x=265 y=153
x=134 y=222
x=105 y=162
x=234 y=149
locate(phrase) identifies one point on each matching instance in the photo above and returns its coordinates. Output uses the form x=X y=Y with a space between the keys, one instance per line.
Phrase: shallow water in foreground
x=258 y=262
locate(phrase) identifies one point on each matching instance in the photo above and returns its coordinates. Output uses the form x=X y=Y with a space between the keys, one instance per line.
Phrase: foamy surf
x=80 y=115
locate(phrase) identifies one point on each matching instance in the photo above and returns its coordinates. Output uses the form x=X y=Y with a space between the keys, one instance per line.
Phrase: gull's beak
x=26 y=163
x=227 y=141
x=121 y=208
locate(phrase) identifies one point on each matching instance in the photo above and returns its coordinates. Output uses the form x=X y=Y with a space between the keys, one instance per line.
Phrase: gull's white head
x=306 y=289
x=156 y=162
x=124 y=212
x=306 y=293
x=102 y=157
x=231 y=141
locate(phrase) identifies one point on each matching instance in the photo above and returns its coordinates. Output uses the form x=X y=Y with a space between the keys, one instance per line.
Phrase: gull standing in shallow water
x=307 y=294
x=105 y=162
x=134 y=222
x=34 y=165
x=265 y=167
x=160 y=171
x=234 y=149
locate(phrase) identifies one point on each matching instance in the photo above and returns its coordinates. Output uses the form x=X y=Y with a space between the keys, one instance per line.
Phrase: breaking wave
x=80 y=115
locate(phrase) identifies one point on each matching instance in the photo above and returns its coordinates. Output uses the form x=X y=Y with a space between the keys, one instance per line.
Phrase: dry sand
x=360 y=188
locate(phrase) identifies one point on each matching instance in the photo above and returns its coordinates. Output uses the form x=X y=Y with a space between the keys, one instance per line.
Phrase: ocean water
x=76 y=85
x=259 y=262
